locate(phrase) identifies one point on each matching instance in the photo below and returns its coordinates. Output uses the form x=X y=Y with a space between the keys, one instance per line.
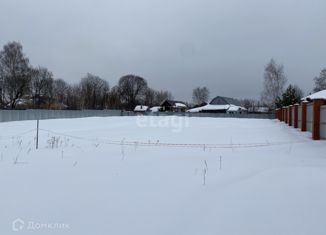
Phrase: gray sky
x=175 y=44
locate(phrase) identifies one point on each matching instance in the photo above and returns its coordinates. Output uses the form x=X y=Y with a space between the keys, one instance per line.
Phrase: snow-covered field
x=161 y=175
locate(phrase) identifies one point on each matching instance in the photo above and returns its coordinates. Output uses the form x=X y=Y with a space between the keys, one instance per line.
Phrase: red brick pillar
x=290 y=115
x=286 y=115
x=316 y=118
x=304 y=116
x=277 y=114
x=296 y=112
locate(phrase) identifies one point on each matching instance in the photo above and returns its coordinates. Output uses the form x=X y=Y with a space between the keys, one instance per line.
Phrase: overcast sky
x=175 y=45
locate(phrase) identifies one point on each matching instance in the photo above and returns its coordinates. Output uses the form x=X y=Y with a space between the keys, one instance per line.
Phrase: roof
x=174 y=103
x=155 y=108
x=177 y=104
x=141 y=108
x=212 y=107
x=317 y=95
x=220 y=100
x=234 y=108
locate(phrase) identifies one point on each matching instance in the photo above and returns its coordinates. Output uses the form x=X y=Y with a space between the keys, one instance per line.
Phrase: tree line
x=21 y=84
x=275 y=93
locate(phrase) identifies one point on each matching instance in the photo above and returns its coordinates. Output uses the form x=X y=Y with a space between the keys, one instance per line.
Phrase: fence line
x=34 y=114
x=307 y=116
x=124 y=142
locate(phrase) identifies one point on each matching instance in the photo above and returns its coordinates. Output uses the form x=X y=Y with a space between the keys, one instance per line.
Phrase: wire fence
x=125 y=142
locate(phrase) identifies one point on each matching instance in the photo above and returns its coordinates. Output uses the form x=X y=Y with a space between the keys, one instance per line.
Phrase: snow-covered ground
x=161 y=175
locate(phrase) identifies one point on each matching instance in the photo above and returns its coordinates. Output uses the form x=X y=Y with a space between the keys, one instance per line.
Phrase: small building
x=141 y=108
x=221 y=105
x=173 y=106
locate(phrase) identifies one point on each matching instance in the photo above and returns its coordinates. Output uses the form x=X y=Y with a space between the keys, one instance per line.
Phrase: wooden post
x=304 y=116
x=296 y=113
x=316 y=118
x=37 y=128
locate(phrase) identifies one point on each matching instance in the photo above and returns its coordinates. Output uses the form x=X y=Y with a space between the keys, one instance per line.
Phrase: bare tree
x=94 y=92
x=114 y=100
x=74 y=100
x=248 y=103
x=132 y=90
x=14 y=73
x=274 y=82
x=60 y=90
x=200 y=95
x=160 y=96
x=41 y=86
x=150 y=96
x=320 y=82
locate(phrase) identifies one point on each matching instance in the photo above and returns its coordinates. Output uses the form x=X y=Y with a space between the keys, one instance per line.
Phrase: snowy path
x=94 y=176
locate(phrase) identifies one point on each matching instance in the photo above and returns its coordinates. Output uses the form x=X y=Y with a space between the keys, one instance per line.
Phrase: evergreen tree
x=291 y=96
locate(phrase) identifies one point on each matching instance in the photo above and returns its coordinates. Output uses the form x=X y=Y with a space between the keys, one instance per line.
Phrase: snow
x=317 y=95
x=141 y=108
x=155 y=109
x=162 y=175
x=234 y=108
x=211 y=107
x=180 y=105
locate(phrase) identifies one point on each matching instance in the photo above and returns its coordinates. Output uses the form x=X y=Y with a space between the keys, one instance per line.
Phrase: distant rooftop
x=220 y=100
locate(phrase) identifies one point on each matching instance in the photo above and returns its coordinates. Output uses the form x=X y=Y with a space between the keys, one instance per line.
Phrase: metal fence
x=309 y=117
x=34 y=114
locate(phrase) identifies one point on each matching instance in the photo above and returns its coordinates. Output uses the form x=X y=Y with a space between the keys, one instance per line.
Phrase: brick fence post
x=280 y=114
x=316 y=118
x=290 y=115
x=277 y=114
x=304 y=116
x=296 y=112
